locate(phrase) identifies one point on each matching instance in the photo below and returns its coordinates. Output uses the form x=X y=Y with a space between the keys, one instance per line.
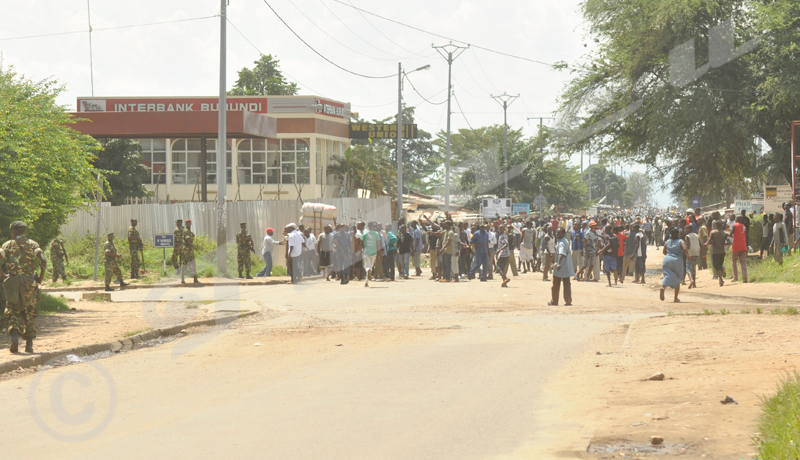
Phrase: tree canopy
x=45 y=164
x=125 y=171
x=265 y=79
x=687 y=88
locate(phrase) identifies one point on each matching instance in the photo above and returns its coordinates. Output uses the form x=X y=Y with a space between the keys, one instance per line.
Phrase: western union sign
x=380 y=131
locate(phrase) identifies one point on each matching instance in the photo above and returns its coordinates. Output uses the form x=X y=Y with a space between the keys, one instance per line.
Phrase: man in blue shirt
x=480 y=243
x=577 y=246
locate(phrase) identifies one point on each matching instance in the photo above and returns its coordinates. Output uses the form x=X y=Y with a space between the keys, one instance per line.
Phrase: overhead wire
x=262 y=54
x=482 y=70
x=350 y=5
x=334 y=38
x=462 y=110
x=381 y=32
x=356 y=34
x=420 y=95
x=109 y=28
x=320 y=54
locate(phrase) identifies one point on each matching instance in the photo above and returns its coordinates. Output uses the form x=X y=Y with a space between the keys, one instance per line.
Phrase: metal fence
x=160 y=218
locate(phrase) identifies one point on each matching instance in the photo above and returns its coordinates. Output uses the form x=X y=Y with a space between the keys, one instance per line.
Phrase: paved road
x=406 y=370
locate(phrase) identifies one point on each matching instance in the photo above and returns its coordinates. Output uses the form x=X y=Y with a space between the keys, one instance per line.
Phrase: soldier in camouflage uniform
x=58 y=255
x=187 y=254
x=134 y=246
x=176 y=249
x=21 y=284
x=110 y=264
x=244 y=246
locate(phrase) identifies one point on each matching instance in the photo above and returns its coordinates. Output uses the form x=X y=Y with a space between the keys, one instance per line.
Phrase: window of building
x=154 y=156
x=252 y=162
x=186 y=161
x=320 y=155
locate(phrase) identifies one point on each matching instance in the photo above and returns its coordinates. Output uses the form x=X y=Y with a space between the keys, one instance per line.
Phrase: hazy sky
x=182 y=58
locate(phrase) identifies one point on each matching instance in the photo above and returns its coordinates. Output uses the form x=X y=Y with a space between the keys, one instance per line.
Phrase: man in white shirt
x=266 y=252
x=296 y=242
x=310 y=253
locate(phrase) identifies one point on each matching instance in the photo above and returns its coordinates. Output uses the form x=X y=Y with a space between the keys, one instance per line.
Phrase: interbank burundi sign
x=380 y=131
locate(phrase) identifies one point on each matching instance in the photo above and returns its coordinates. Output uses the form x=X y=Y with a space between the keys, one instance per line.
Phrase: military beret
x=189 y=221
x=110 y=233
x=17 y=224
x=242 y=223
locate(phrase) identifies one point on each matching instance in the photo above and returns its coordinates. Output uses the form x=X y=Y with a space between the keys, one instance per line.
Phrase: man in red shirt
x=739 y=248
x=621 y=236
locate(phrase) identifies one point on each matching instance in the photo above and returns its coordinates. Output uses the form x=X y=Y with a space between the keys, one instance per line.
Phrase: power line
x=462 y=110
x=262 y=54
x=442 y=36
x=482 y=70
x=381 y=32
x=108 y=28
x=317 y=52
x=423 y=97
x=334 y=38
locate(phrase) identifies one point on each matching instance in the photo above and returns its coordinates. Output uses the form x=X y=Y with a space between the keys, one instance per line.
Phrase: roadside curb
x=116 y=346
x=159 y=286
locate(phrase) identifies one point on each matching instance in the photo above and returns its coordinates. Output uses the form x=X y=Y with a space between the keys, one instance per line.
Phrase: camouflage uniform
x=57 y=259
x=18 y=258
x=176 y=250
x=134 y=247
x=187 y=254
x=244 y=246
x=111 y=267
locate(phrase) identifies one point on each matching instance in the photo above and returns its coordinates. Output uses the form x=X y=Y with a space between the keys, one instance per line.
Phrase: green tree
x=640 y=186
x=125 y=171
x=46 y=166
x=265 y=79
x=365 y=167
x=625 y=103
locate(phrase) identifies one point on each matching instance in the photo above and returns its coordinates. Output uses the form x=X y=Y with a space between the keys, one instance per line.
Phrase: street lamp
x=400 y=74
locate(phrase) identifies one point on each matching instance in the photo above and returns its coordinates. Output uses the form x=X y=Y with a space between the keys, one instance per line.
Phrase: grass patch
x=745 y=312
x=706 y=311
x=759 y=310
x=81 y=260
x=776 y=311
x=768 y=271
x=723 y=311
x=791 y=311
x=132 y=333
x=192 y=306
x=779 y=424
x=49 y=305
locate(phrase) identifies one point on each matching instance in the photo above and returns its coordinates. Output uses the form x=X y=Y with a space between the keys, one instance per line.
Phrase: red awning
x=240 y=124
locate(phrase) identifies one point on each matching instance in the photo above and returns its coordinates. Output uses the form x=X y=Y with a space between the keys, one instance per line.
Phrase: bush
x=779 y=424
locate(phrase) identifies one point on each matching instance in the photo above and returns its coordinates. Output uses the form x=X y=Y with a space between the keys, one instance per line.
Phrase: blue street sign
x=164 y=240
x=697 y=202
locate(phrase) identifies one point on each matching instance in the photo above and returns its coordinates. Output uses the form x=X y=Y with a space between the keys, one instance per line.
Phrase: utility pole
x=222 y=151
x=400 y=75
x=449 y=52
x=505 y=100
x=91 y=65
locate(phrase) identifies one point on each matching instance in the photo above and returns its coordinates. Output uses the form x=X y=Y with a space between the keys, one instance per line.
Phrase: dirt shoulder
x=704 y=359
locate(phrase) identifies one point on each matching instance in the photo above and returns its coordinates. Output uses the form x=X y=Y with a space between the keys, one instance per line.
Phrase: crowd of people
x=564 y=249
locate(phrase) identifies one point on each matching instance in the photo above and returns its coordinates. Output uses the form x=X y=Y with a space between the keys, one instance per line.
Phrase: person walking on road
x=503 y=254
x=21 y=284
x=564 y=270
x=673 y=265
x=371 y=241
x=739 y=249
x=267 y=251
x=110 y=263
x=717 y=239
x=780 y=238
x=480 y=242
x=189 y=266
x=609 y=252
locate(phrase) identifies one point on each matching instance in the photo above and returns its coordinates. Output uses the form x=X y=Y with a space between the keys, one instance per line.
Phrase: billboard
x=496 y=207
x=775 y=196
x=521 y=209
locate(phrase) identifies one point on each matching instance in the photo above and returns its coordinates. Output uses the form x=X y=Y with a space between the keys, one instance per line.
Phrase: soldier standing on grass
x=244 y=243
x=178 y=244
x=58 y=255
x=187 y=254
x=110 y=265
x=134 y=245
x=21 y=284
